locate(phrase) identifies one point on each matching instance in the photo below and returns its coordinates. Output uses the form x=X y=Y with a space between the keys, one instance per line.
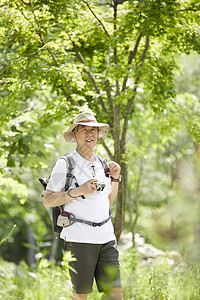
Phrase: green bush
x=141 y=280
x=46 y=281
x=159 y=280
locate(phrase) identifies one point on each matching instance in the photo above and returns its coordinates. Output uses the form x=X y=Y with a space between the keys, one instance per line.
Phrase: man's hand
x=114 y=169
x=85 y=189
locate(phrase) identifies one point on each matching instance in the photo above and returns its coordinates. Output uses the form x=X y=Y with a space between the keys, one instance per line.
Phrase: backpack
x=57 y=211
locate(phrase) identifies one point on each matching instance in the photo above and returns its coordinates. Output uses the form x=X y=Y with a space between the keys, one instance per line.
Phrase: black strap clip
x=97 y=224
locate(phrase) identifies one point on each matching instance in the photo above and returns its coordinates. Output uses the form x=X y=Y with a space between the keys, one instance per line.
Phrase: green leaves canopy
x=57 y=56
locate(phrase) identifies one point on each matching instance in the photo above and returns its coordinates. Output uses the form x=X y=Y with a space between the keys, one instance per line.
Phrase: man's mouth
x=89 y=140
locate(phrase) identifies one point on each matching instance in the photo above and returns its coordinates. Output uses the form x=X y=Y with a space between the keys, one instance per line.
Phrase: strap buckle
x=97 y=224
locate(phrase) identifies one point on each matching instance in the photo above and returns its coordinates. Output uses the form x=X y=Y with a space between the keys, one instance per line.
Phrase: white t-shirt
x=95 y=206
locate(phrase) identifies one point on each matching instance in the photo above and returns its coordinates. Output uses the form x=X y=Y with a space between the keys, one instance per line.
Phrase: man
x=94 y=247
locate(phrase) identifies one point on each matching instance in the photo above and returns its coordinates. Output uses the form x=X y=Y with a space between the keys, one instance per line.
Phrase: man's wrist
x=115 y=179
x=73 y=193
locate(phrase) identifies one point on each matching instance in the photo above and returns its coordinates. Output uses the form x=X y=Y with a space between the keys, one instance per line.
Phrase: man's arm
x=114 y=173
x=52 y=199
x=114 y=192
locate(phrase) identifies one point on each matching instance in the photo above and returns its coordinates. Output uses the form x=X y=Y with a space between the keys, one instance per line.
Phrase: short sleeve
x=57 y=179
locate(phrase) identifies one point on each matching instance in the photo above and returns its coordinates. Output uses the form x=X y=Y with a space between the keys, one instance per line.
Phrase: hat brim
x=103 y=130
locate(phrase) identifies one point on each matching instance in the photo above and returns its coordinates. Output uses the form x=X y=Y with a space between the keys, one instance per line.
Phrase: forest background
x=136 y=65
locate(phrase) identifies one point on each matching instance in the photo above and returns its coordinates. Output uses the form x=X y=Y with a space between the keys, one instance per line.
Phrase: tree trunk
x=54 y=247
x=120 y=210
x=32 y=243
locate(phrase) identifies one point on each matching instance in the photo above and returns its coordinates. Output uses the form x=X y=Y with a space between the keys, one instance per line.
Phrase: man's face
x=86 y=136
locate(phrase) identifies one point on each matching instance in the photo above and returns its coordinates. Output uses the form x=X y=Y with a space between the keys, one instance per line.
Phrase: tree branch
x=145 y=51
x=130 y=59
x=188 y=9
x=115 y=48
x=26 y=3
x=104 y=29
x=91 y=76
x=179 y=109
x=116 y=107
x=63 y=76
x=109 y=97
x=108 y=61
x=107 y=85
x=38 y=31
x=107 y=149
x=2 y=69
x=130 y=102
x=32 y=24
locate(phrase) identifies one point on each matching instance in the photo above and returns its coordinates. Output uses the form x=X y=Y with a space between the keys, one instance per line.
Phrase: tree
x=97 y=53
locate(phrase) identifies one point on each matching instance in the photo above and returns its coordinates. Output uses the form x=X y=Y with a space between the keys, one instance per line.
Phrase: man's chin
x=90 y=145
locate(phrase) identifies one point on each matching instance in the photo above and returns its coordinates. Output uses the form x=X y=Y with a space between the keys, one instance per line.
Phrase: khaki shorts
x=99 y=261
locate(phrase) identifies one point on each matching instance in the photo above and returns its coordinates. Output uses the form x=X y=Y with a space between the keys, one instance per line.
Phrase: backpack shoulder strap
x=70 y=170
x=105 y=165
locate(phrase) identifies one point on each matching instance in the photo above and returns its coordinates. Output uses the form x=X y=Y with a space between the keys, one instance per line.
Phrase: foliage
x=187 y=76
x=140 y=280
x=164 y=173
x=165 y=183
x=21 y=282
x=123 y=70
x=49 y=56
x=159 y=280
x=6 y=236
x=13 y=195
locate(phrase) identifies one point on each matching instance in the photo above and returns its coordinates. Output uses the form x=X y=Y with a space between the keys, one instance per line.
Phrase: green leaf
x=6 y=236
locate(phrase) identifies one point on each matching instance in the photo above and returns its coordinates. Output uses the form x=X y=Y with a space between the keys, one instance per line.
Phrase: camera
x=44 y=182
x=99 y=185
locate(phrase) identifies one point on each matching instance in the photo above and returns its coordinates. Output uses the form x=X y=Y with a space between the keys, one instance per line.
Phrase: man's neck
x=86 y=153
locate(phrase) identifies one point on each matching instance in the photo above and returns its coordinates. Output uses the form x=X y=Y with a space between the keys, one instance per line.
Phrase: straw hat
x=88 y=119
